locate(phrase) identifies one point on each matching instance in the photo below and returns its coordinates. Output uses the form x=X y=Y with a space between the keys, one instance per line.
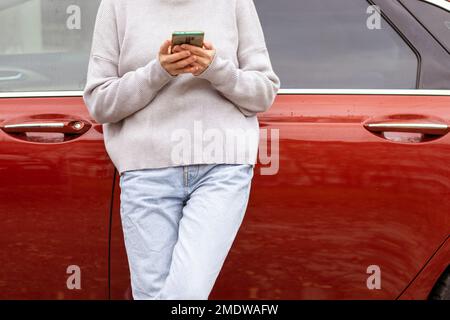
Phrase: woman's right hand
x=178 y=62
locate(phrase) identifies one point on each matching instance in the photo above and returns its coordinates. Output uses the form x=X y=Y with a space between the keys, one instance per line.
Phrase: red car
x=359 y=207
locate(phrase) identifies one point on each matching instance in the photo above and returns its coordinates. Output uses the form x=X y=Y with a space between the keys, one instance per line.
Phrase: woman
x=180 y=126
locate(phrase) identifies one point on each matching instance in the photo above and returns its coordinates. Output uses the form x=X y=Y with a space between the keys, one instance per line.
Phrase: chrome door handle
x=67 y=127
x=16 y=76
x=413 y=127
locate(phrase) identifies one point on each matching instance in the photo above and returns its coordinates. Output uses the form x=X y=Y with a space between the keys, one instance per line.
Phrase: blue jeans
x=179 y=224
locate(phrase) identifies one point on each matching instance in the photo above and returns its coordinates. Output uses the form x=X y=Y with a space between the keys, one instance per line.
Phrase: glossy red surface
x=420 y=287
x=344 y=199
x=54 y=204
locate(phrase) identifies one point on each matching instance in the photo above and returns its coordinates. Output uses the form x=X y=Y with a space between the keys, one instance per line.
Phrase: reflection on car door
x=56 y=177
x=54 y=200
x=360 y=202
x=345 y=200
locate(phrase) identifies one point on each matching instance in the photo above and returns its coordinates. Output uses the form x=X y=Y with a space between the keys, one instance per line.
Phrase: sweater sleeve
x=108 y=97
x=254 y=85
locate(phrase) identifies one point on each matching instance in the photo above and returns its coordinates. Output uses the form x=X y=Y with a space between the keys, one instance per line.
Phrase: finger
x=174 y=57
x=202 y=61
x=208 y=45
x=177 y=48
x=188 y=69
x=185 y=62
x=165 y=47
x=196 y=50
x=196 y=66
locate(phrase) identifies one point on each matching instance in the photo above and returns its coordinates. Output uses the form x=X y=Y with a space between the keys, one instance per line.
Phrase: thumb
x=208 y=45
x=165 y=47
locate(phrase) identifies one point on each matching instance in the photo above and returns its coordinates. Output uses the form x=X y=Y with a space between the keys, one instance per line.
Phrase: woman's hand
x=178 y=62
x=204 y=56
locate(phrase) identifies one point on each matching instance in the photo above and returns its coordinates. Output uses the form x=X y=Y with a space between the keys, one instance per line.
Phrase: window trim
x=432 y=75
x=400 y=92
x=445 y=5
x=396 y=92
x=405 y=40
x=407 y=8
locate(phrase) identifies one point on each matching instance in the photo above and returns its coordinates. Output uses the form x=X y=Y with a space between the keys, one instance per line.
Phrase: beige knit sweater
x=152 y=119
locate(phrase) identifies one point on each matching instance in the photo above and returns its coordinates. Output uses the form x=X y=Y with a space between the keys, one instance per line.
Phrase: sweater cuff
x=157 y=72
x=219 y=70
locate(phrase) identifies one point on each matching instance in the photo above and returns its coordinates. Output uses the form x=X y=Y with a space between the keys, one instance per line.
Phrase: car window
x=45 y=44
x=433 y=17
x=327 y=44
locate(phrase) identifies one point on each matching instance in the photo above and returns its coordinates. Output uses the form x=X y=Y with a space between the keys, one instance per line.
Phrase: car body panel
x=419 y=289
x=344 y=199
x=54 y=204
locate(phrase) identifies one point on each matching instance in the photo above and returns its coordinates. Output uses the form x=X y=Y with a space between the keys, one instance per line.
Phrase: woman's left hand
x=204 y=55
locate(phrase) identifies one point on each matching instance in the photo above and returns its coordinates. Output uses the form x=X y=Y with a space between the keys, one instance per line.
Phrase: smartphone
x=194 y=38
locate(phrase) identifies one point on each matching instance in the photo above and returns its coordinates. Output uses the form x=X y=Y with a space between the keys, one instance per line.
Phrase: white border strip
x=444 y=4
x=37 y=94
x=409 y=92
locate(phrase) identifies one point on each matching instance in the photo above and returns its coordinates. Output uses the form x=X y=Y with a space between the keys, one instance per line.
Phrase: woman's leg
x=211 y=218
x=151 y=203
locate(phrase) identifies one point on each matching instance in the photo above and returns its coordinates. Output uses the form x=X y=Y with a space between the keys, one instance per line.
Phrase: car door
x=361 y=199
x=352 y=198
x=56 y=178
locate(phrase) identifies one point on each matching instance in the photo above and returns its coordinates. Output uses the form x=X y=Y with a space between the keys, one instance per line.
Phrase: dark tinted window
x=327 y=44
x=312 y=43
x=434 y=18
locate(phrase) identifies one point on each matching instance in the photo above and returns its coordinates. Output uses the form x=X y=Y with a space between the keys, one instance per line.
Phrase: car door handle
x=16 y=76
x=439 y=129
x=66 y=127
